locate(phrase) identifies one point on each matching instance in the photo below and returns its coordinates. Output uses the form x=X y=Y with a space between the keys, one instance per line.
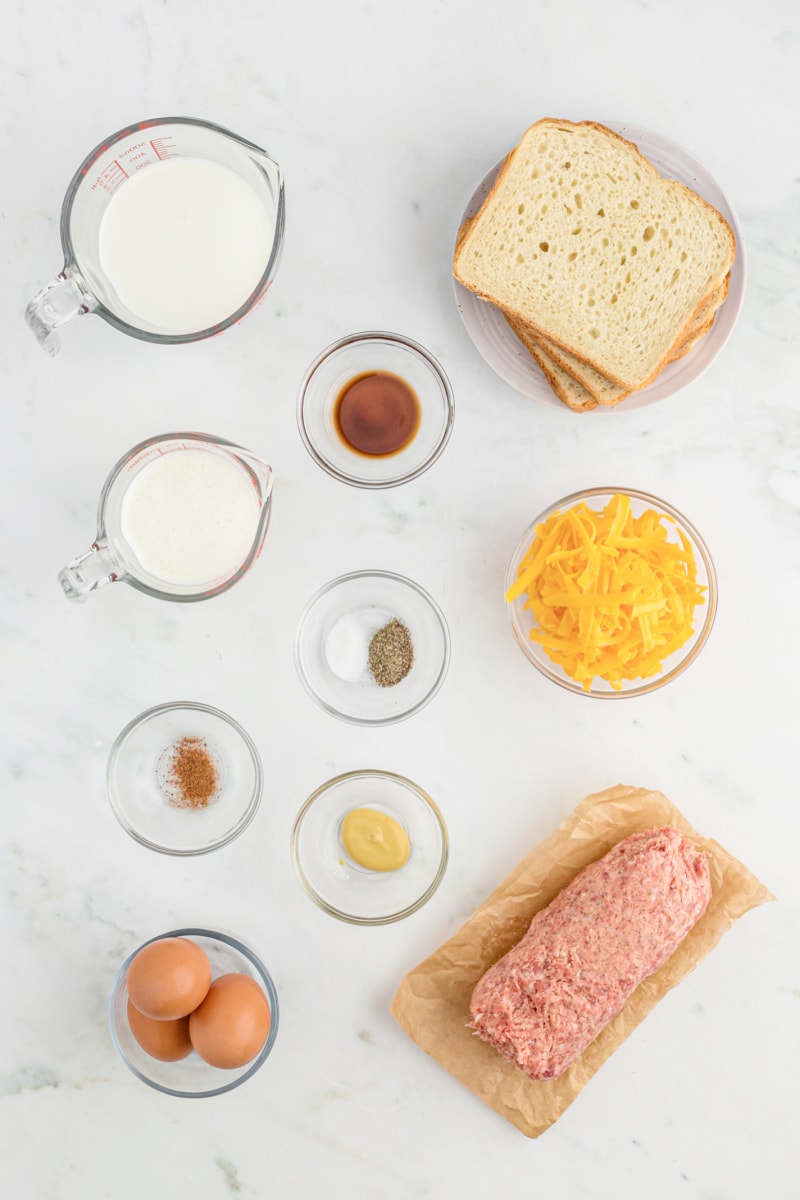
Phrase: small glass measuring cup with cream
x=171 y=231
x=181 y=516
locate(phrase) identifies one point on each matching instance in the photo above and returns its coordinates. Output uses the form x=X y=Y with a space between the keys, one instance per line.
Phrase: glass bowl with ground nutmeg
x=372 y=648
x=184 y=778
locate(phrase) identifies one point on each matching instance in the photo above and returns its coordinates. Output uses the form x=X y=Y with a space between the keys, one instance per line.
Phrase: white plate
x=507 y=356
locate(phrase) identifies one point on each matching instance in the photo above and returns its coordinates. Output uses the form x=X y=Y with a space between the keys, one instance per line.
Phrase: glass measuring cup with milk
x=182 y=516
x=171 y=229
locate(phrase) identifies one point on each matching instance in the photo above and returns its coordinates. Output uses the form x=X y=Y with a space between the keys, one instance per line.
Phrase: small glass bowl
x=342 y=888
x=139 y=790
x=522 y=620
x=360 y=354
x=372 y=599
x=192 y=1077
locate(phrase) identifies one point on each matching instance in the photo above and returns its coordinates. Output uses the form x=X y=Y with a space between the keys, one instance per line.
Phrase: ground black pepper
x=391 y=654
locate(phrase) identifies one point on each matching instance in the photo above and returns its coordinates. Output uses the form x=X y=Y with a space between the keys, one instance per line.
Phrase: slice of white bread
x=582 y=239
x=560 y=362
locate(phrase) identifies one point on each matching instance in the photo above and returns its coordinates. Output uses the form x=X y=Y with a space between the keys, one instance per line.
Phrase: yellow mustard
x=374 y=840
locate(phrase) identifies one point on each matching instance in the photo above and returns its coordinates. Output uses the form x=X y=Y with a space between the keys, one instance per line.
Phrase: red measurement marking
x=111 y=177
x=134 y=462
x=163 y=147
x=130 y=151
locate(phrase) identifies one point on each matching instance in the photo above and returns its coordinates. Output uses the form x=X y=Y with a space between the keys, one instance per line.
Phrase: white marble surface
x=384 y=118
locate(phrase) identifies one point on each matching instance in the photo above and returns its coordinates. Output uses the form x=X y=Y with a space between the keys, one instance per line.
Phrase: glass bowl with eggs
x=611 y=593
x=193 y=1013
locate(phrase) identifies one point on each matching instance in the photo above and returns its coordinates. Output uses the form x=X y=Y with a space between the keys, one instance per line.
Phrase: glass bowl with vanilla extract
x=375 y=410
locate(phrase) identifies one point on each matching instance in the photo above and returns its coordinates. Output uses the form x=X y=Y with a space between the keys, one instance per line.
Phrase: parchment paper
x=432 y=1003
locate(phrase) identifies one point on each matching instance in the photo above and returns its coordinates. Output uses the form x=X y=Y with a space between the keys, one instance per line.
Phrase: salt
x=347 y=644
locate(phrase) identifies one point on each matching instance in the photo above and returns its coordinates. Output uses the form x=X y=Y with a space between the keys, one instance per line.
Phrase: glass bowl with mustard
x=375 y=410
x=372 y=648
x=369 y=847
x=184 y=778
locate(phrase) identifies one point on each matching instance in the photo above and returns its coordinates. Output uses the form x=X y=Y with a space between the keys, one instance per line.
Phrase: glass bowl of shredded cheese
x=611 y=593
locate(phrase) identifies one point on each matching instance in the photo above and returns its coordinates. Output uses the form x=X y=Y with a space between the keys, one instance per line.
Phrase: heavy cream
x=190 y=517
x=185 y=242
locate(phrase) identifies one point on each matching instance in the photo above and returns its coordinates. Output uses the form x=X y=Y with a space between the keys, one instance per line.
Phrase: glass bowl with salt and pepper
x=372 y=648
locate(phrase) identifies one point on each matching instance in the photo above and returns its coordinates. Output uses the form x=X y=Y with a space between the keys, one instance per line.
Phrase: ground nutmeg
x=192 y=774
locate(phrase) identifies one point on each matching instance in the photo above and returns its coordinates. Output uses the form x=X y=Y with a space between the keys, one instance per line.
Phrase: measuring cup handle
x=88 y=572
x=62 y=300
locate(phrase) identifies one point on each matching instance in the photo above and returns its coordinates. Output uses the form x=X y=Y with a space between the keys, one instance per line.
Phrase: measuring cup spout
x=88 y=572
x=61 y=301
x=263 y=474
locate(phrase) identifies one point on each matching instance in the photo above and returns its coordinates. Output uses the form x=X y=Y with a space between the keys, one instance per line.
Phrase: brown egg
x=168 y=978
x=231 y=1025
x=166 y=1040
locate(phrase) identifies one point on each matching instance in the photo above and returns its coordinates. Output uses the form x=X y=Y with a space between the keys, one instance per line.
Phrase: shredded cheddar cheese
x=611 y=595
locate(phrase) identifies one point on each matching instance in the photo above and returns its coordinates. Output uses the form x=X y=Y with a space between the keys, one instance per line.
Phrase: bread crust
x=568 y=390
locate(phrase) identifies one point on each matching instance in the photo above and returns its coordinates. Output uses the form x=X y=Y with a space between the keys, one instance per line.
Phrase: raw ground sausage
x=617 y=922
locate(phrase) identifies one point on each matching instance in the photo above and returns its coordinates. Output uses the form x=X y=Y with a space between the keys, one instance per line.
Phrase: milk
x=190 y=517
x=185 y=242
